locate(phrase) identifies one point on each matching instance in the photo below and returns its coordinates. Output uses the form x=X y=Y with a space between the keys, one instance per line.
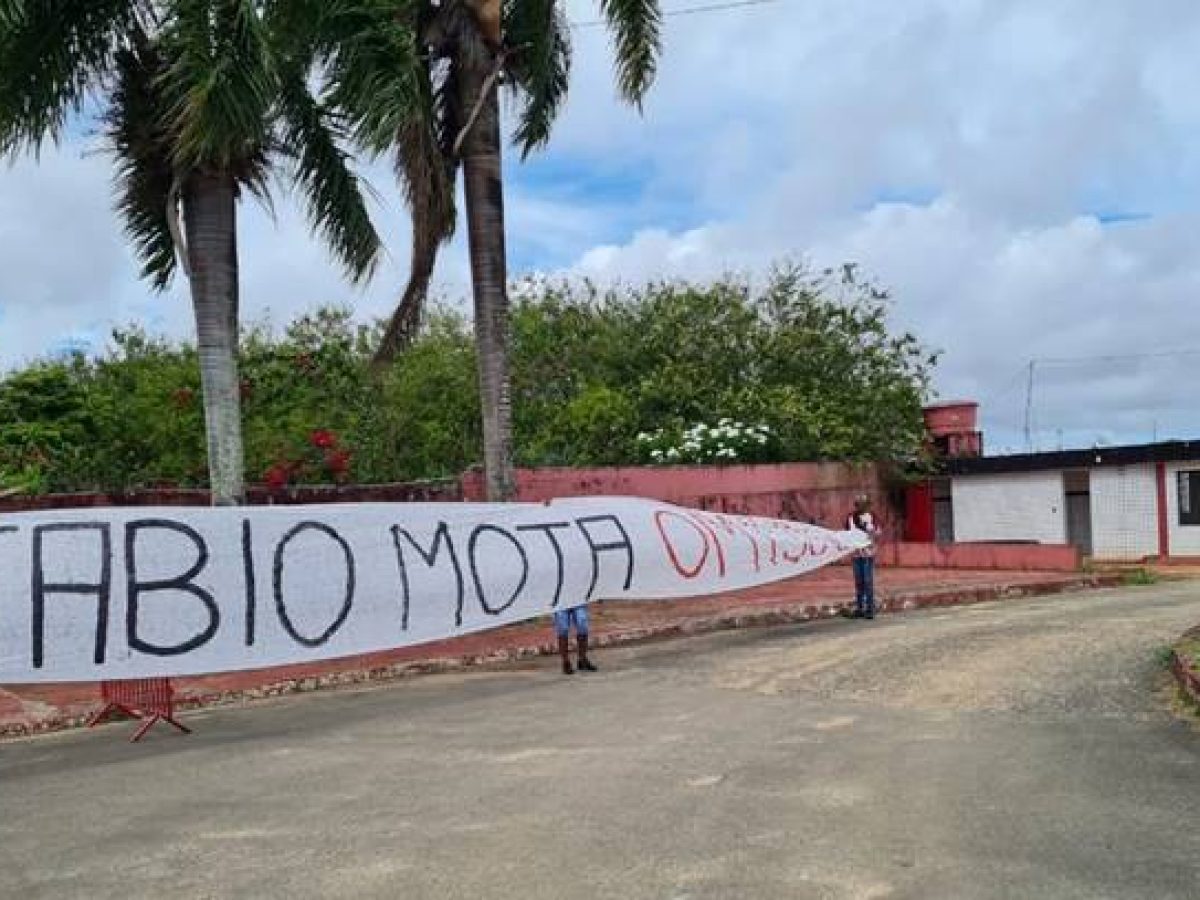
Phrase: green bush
x=808 y=358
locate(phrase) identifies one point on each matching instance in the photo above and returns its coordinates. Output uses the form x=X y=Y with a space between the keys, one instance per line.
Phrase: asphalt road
x=1016 y=750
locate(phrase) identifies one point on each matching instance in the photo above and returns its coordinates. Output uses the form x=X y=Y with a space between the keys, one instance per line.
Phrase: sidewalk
x=26 y=709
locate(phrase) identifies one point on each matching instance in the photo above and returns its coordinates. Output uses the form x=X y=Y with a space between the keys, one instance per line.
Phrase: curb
x=789 y=614
x=1186 y=668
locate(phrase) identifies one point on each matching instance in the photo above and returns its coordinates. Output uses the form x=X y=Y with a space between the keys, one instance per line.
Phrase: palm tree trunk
x=210 y=218
x=485 y=228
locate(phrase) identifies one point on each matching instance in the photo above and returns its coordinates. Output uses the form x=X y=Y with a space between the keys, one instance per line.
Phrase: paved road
x=1012 y=750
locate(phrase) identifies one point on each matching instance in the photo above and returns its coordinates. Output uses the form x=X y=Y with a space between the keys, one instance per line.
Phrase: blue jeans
x=864 y=584
x=563 y=618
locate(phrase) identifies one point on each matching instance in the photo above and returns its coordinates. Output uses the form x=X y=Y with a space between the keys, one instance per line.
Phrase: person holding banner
x=563 y=619
x=864 y=558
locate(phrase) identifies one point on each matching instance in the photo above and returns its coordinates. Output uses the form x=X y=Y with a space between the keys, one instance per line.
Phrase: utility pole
x=1029 y=409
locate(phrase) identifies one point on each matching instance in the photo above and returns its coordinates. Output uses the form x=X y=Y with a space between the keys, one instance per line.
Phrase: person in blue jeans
x=563 y=619
x=864 y=559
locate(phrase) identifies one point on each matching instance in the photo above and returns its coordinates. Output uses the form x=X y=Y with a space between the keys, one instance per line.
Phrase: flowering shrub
x=183 y=398
x=809 y=354
x=726 y=442
x=321 y=460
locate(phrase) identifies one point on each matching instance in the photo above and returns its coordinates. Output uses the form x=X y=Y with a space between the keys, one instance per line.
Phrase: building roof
x=1165 y=451
x=949 y=404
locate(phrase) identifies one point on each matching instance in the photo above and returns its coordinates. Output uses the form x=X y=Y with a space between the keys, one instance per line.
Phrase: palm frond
x=332 y=192
x=396 y=95
x=52 y=52
x=636 y=28
x=539 y=67
x=220 y=85
x=374 y=62
x=298 y=25
x=427 y=169
x=142 y=155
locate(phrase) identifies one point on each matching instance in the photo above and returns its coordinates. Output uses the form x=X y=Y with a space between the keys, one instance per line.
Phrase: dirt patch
x=1185 y=666
x=1077 y=656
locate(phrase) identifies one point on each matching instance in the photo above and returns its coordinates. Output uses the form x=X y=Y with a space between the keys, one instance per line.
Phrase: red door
x=918 y=513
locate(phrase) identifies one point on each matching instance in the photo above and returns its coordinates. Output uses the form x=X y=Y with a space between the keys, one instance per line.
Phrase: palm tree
x=422 y=79
x=203 y=100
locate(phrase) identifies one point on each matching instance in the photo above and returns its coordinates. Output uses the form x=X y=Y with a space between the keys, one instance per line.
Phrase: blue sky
x=1024 y=176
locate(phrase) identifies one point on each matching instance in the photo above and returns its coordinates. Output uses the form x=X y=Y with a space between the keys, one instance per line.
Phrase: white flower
x=673 y=453
x=762 y=438
x=657 y=454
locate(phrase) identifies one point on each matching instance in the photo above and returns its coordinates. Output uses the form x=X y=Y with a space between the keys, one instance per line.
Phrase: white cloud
x=1021 y=119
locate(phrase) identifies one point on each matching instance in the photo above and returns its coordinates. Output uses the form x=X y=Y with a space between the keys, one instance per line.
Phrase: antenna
x=1029 y=409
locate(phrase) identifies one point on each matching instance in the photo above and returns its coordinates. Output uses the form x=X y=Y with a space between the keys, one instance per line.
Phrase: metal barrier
x=149 y=699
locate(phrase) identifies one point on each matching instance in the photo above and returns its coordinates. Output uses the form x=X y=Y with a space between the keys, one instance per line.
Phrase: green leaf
x=540 y=66
x=142 y=158
x=374 y=66
x=52 y=53
x=220 y=86
x=636 y=27
x=331 y=191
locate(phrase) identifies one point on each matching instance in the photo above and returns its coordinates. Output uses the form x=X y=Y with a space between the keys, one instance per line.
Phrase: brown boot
x=564 y=650
x=585 y=664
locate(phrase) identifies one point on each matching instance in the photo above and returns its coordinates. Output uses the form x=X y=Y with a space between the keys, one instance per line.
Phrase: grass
x=1190 y=648
x=1139 y=577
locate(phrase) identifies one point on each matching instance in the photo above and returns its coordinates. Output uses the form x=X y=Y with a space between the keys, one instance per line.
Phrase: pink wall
x=1019 y=557
x=404 y=492
x=822 y=493
x=942 y=419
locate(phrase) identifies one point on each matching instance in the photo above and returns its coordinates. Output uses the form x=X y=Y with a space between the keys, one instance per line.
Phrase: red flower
x=277 y=476
x=323 y=439
x=338 y=463
x=183 y=397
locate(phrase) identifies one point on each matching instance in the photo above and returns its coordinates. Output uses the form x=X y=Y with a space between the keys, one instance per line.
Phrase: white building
x=1113 y=503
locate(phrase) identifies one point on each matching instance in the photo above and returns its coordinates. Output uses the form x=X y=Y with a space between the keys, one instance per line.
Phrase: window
x=1189 y=498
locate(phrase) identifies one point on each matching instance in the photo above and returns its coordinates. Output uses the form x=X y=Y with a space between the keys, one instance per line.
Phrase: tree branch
x=488 y=85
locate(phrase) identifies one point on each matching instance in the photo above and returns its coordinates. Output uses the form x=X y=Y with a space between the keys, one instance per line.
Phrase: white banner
x=112 y=593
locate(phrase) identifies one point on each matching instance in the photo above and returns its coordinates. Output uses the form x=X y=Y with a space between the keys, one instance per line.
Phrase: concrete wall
x=820 y=493
x=1031 y=507
x=1124 y=511
x=1185 y=539
x=1026 y=506
x=407 y=492
x=1012 y=557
